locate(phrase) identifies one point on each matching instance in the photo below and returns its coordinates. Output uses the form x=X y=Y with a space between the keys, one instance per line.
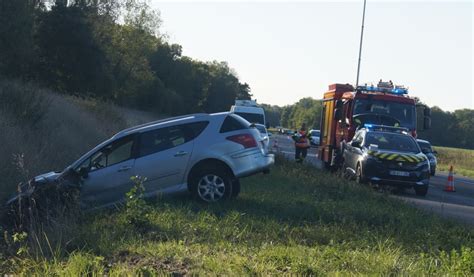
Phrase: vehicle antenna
x=360 y=46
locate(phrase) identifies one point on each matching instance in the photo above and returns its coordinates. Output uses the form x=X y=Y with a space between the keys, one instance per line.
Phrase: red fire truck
x=346 y=108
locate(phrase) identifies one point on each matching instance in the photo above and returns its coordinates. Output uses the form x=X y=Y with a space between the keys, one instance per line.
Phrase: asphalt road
x=458 y=205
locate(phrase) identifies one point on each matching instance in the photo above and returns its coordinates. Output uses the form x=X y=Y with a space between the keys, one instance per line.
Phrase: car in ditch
x=205 y=154
x=387 y=156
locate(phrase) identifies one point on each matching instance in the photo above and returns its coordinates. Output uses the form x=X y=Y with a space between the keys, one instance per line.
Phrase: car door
x=163 y=157
x=108 y=173
x=353 y=152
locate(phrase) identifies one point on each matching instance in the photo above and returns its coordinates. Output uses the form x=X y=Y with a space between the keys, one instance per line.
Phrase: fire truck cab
x=345 y=109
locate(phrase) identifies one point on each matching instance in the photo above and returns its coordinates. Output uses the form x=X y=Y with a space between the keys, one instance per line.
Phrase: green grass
x=295 y=220
x=462 y=160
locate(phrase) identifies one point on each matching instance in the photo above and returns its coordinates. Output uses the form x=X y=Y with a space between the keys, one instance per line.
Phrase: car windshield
x=425 y=147
x=405 y=113
x=262 y=129
x=252 y=117
x=315 y=133
x=392 y=142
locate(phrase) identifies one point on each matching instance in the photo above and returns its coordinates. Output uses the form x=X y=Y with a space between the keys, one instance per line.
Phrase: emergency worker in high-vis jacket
x=301 y=138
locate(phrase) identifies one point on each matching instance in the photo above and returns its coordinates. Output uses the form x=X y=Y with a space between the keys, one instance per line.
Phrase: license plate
x=399 y=173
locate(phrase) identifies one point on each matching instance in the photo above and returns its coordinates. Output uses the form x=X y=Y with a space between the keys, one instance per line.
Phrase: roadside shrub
x=136 y=209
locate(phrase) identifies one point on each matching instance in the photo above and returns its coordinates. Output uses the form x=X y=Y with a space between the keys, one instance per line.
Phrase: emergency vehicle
x=346 y=109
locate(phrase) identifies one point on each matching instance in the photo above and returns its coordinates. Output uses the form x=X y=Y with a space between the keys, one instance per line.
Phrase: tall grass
x=462 y=160
x=297 y=220
x=50 y=131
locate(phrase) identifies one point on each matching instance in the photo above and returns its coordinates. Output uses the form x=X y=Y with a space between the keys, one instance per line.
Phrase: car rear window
x=233 y=123
x=425 y=147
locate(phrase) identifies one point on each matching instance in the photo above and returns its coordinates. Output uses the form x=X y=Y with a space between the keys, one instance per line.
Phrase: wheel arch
x=208 y=162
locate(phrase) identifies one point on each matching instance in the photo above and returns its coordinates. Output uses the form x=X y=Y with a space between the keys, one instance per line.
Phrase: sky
x=289 y=50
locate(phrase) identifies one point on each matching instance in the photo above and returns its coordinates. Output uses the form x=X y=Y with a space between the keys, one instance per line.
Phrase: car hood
x=27 y=188
x=397 y=156
x=47 y=177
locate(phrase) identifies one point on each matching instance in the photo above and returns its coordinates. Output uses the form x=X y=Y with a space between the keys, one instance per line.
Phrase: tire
x=359 y=175
x=421 y=191
x=235 y=188
x=211 y=184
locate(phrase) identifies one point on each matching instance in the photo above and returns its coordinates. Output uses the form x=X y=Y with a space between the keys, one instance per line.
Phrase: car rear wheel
x=211 y=185
x=421 y=191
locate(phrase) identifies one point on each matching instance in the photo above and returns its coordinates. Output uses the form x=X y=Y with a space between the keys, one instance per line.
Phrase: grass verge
x=462 y=160
x=296 y=220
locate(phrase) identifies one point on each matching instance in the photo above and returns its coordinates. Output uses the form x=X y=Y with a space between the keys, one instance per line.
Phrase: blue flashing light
x=368 y=125
x=398 y=91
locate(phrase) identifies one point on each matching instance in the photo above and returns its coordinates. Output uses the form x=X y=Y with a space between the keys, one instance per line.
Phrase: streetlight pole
x=360 y=46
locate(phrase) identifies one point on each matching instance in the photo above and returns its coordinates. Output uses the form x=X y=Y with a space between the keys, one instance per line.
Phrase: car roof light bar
x=398 y=90
x=374 y=127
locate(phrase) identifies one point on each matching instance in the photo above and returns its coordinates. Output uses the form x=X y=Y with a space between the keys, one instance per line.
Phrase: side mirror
x=355 y=144
x=426 y=123
x=435 y=152
x=83 y=172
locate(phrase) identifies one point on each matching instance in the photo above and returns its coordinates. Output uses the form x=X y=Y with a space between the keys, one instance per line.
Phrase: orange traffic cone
x=450 y=185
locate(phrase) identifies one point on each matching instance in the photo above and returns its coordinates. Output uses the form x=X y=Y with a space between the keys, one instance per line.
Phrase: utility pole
x=360 y=46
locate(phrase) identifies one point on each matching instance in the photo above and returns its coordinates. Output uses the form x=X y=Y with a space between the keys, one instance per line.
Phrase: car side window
x=232 y=124
x=113 y=153
x=359 y=137
x=165 y=138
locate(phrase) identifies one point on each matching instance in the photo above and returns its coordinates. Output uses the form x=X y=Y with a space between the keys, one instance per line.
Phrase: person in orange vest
x=301 y=139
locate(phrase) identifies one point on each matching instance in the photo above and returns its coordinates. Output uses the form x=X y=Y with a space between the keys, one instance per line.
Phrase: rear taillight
x=247 y=140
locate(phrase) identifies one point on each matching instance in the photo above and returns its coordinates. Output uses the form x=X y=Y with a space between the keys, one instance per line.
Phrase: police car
x=387 y=155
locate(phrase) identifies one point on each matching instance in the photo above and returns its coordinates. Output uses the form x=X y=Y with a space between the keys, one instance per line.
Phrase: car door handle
x=180 y=153
x=124 y=168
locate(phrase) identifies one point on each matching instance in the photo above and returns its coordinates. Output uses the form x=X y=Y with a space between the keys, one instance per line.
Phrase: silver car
x=265 y=136
x=203 y=153
x=315 y=134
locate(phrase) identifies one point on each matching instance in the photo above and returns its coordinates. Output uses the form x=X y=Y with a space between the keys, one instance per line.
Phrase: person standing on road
x=301 y=139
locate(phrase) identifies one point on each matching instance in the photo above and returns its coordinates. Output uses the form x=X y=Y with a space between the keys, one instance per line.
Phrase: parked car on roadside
x=427 y=149
x=315 y=136
x=205 y=154
x=387 y=155
x=264 y=134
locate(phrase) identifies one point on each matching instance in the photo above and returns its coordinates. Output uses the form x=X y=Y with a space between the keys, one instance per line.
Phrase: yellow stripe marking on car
x=409 y=158
x=391 y=157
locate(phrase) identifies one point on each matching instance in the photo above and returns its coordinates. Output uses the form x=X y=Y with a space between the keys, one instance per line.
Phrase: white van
x=249 y=110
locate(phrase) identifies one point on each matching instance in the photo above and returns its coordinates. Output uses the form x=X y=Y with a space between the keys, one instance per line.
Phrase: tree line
x=110 y=50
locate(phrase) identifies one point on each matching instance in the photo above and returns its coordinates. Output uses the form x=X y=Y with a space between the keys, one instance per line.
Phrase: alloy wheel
x=211 y=188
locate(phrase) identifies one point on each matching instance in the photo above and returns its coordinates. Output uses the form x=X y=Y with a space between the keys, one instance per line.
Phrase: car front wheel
x=421 y=191
x=212 y=185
